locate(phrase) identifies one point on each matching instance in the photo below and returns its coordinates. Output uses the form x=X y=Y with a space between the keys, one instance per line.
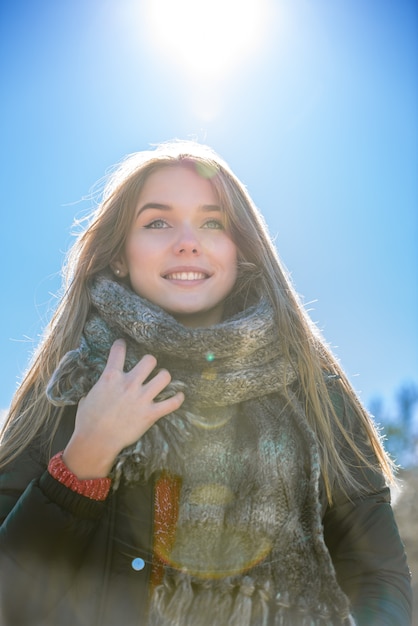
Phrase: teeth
x=186 y=276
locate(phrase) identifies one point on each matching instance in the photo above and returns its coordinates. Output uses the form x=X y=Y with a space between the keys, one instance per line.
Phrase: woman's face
x=178 y=253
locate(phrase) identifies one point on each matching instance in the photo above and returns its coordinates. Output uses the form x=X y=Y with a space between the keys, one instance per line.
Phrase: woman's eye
x=214 y=223
x=159 y=223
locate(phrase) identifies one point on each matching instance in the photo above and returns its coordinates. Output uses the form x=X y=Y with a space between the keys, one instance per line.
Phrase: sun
x=206 y=38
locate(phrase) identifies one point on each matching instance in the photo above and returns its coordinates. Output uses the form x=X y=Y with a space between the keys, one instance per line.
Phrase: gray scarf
x=248 y=548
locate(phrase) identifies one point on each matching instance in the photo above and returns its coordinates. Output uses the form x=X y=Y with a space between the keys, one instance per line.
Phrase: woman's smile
x=188 y=275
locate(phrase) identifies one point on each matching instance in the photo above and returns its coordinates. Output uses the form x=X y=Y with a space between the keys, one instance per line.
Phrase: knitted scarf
x=247 y=547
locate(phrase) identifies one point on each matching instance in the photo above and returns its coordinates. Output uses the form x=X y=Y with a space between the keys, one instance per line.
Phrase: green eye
x=157 y=224
x=214 y=224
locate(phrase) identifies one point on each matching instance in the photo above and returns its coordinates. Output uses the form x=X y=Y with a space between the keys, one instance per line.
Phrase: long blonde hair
x=103 y=240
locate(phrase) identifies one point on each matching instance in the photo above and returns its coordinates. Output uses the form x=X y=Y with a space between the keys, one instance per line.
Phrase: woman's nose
x=187 y=242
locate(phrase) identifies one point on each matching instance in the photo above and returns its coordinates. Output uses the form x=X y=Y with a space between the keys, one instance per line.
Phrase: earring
x=117 y=272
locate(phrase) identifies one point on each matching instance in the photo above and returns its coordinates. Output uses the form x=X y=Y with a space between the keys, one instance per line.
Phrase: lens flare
x=204 y=549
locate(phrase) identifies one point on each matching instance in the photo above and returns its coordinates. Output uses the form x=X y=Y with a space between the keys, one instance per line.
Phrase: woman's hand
x=116 y=412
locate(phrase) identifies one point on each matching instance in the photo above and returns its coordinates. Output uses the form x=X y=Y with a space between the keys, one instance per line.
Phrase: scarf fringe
x=202 y=606
x=223 y=603
x=264 y=598
x=208 y=603
x=76 y=374
x=169 y=607
x=241 y=613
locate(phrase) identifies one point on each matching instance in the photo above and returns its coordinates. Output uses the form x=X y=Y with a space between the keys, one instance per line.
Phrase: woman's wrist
x=93 y=488
x=87 y=460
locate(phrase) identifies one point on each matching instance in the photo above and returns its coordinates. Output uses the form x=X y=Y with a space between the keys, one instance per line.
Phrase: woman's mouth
x=186 y=276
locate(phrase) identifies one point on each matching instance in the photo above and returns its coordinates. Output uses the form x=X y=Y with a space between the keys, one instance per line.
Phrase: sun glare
x=206 y=38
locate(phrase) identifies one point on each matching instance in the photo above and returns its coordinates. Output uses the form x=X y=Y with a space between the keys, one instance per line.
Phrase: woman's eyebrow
x=207 y=208
x=210 y=207
x=153 y=205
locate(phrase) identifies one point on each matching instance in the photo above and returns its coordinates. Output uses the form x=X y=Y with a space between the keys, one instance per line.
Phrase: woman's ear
x=119 y=268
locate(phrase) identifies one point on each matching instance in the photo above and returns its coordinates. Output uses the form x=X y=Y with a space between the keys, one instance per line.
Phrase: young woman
x=184 y=449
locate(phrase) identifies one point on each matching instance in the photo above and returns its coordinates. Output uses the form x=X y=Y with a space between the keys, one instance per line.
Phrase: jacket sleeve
x=44 y=533
x=365 y=546
x=369 y=558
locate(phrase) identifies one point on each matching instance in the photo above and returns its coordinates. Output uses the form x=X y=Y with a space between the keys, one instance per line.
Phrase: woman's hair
x=260 y=272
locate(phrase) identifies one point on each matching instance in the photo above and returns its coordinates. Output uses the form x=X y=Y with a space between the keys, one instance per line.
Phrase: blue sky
x=319 y=118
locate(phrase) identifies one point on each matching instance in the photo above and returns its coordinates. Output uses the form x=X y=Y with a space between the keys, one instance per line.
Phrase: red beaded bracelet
x=93 y=488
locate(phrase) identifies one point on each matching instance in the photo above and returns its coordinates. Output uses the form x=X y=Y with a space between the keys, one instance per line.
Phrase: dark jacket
x=66 y=560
